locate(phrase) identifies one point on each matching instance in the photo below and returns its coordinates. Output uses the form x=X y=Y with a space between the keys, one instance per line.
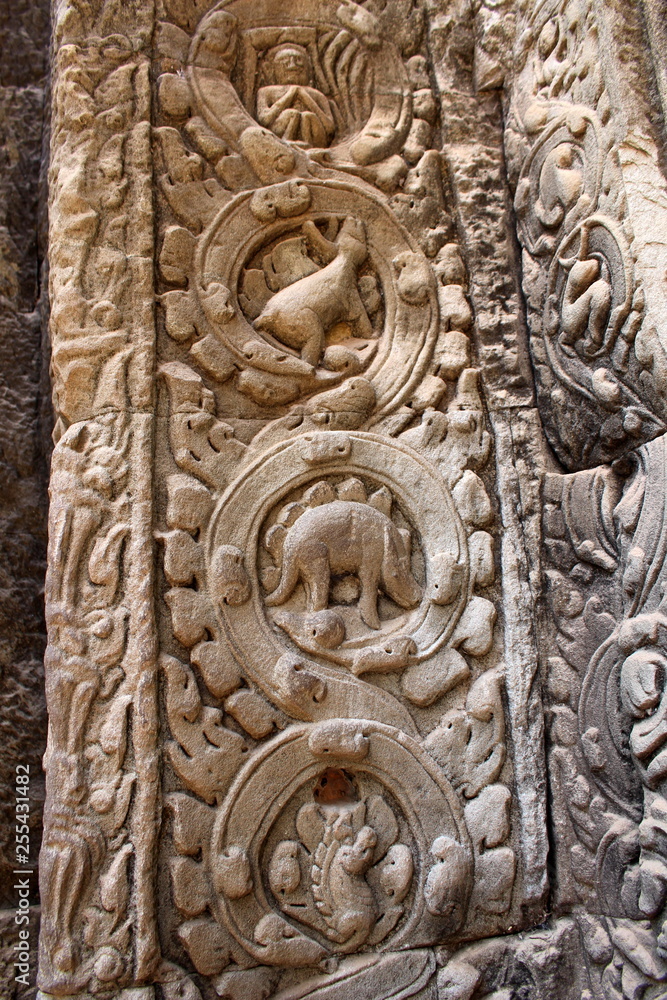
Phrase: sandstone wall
x=24 y=409
x=356 y=574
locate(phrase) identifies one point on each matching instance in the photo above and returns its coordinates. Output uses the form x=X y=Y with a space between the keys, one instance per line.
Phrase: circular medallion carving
x=323 y=283
x=339 y=836
x=357 y=563
x=345 y=571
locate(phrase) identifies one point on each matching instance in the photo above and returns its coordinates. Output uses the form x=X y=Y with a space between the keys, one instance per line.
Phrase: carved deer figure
x=347 y=537
x=302 y=314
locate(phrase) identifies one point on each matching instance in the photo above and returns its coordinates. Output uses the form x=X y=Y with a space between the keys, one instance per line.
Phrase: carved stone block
x=303 y=507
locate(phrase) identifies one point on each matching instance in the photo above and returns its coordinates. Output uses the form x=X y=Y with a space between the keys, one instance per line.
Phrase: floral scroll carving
x=607 y=690
x=283 y=737
x=327 y=529
x=263 y=631
x=102 y=781
x=585 y=303
x=594 y=340
x=312 y=553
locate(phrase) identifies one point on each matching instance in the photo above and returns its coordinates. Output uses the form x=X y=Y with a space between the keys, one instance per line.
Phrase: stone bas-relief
x=596 y=323
x=328 y=691
x=334 y=720
x=294 y=572
x=593 y=334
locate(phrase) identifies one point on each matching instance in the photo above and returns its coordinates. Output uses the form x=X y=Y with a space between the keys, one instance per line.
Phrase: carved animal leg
x=361 y=325
x=312 y=336
x=354 y=924
x=316 y=575
x=368 y=600
x=288 y=581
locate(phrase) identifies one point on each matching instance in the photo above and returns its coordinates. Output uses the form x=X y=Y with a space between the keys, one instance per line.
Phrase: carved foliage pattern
x=595 y=359
x=605 y=533
x=97 y=925
x=599 y=373
x=315 y=446
x=327 y=532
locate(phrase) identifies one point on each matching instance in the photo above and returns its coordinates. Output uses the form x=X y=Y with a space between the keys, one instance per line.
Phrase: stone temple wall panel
x=295 y=735
x=355 y=589
x=584 y=141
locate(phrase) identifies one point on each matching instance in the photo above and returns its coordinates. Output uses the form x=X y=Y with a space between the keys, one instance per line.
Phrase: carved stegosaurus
x=343 y=546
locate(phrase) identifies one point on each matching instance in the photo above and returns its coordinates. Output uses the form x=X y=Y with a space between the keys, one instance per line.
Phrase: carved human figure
x=347 y=537
x=586 y=305
x=289 y=105
x=302 y=314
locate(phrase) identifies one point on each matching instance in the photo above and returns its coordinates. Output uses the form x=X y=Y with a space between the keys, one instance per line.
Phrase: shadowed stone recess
x=24 y=411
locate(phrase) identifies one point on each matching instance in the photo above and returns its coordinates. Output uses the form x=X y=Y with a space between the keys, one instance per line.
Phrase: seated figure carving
x=289 y=105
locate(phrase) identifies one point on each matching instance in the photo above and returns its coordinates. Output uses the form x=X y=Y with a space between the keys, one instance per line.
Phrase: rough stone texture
x=584 y=142
x=23 y=462
x=348 y=724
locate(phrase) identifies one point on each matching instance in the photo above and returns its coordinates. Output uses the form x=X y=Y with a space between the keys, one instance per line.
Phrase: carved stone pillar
x=293 y=743
x=307 y=262
x=103 y=809
x=583 y=143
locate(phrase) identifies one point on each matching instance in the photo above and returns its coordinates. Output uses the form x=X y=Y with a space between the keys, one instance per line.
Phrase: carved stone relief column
x=296 y=738
x=582 y=154
x=103 y=806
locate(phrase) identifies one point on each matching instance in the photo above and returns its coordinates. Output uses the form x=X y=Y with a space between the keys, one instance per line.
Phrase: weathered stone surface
x=23 y=460
x=583 y=144
x=356 y=572
x=304 y=434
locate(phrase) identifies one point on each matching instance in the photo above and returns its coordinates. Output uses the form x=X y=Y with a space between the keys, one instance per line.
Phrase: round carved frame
x=265 y=653
x=275 y=775
x=406 y=344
